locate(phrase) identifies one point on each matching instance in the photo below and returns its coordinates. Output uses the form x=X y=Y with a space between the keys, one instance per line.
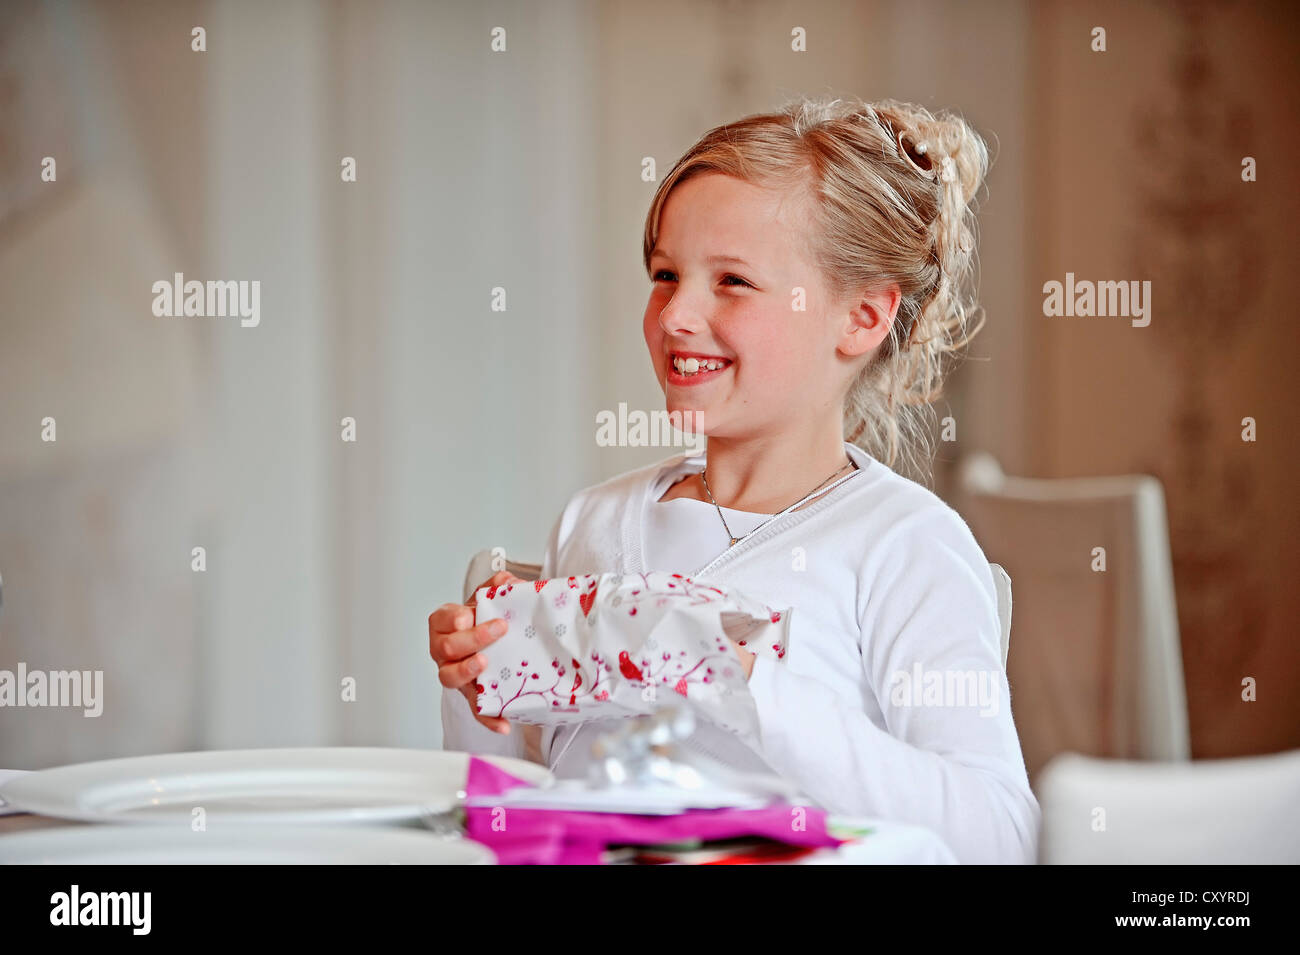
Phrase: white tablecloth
x=888 y=843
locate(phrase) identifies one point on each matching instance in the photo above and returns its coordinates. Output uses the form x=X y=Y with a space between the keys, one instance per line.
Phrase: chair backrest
x=1203 y=812
x=1002 y=583
x=1098 y=666
x=486 y=563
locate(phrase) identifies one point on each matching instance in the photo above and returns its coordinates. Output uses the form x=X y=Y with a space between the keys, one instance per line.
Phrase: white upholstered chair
x=1203 y=812
x=1098 y=666
x=483 y=565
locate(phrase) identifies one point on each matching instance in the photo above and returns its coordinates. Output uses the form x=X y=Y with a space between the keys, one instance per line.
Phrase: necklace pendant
x=734 y=541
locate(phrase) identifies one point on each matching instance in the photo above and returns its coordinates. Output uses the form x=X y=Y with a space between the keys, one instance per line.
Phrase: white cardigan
x=885 y=579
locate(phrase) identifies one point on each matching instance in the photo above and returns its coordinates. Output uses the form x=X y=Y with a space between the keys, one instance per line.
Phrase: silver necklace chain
x=736 y=540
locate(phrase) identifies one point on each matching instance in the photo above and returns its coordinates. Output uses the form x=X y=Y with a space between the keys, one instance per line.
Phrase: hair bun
x=939 y=147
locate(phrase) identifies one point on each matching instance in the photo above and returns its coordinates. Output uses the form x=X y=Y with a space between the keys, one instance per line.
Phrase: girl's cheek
x=650 y=328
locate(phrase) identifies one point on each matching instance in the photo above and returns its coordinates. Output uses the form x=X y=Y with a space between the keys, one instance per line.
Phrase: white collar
x=692 y=463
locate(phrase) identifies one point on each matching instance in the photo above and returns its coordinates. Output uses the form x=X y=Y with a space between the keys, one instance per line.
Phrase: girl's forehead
x=726 y=216
x=721 y=194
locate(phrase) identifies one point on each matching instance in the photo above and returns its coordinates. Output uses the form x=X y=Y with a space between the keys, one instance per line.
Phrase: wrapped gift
x=614 y=645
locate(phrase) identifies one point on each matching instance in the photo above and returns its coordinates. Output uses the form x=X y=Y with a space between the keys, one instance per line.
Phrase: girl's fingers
x=453 y=634
x=443 y=622
x=454 y=642
x=449 y=618
x=462 y=672
x=450 y=647
x=497 y=724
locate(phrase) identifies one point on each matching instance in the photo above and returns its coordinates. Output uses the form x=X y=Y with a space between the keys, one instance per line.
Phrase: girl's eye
x=660 y=276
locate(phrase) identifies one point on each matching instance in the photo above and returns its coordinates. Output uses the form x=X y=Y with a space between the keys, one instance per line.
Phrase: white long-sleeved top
x=884 y=579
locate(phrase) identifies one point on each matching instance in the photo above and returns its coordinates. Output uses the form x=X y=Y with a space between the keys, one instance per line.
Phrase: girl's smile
x=692 y=368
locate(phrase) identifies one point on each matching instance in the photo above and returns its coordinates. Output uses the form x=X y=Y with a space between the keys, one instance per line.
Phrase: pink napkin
x=562 y=837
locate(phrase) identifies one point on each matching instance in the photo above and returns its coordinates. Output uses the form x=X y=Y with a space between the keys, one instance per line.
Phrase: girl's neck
x=766 y=475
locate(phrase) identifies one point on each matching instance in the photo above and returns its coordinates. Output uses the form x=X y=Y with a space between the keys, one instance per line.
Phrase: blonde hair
x=891 y=186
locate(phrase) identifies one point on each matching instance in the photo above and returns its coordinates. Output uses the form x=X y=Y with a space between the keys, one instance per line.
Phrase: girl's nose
x=680 y=317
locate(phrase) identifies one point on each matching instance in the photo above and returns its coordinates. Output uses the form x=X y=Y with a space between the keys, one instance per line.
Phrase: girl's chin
x=689 y=419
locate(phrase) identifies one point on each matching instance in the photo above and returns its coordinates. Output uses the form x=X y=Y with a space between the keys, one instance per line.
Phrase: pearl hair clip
x=918 y=156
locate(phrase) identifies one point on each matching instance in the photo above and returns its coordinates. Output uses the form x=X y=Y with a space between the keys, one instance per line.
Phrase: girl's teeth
x=691 y=366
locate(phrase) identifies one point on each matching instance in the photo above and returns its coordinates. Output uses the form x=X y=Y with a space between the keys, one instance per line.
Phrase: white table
x=890 y=843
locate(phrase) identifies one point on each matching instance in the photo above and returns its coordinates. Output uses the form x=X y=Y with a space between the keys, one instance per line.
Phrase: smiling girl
x=811 y=274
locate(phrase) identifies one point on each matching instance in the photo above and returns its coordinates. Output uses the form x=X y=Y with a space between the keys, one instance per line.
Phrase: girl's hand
x=746 y=658
x=454 y=642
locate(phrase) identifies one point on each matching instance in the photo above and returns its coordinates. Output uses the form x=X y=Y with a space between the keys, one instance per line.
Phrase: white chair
x=1098 y=666
x=1204 y=812
x=486 y=563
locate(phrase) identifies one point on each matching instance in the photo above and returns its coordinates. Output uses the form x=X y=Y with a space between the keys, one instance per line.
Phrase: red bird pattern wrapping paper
x=614 y=645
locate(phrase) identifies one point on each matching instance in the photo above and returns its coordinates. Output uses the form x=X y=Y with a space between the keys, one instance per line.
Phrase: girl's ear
x=869 y=317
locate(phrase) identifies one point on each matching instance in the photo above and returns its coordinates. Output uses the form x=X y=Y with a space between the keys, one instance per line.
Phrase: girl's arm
x=953 y=763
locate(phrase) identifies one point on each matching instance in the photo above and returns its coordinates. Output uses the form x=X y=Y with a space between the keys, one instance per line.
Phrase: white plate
x=323 y=786
x=238 y=845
